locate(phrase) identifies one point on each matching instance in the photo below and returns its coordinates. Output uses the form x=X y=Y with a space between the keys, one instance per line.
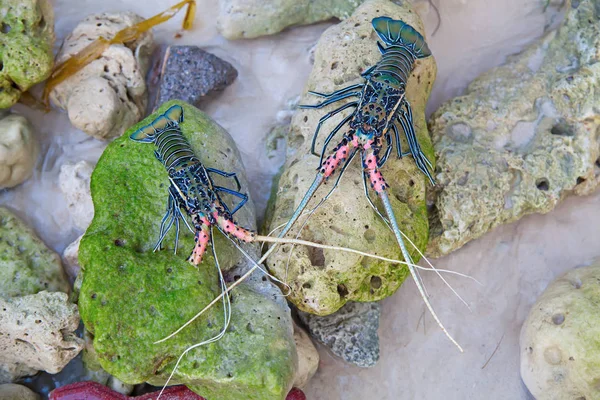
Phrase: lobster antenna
x=390 y=214
x=278 y=227
x=257 y=265
x=228 y=289
x=226 y=318
x=270 y=239
x=439 y=17
x=436 y=270
x=276 y=240
x=323 y=200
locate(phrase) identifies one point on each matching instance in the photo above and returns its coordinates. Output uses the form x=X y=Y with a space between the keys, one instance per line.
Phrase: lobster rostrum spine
x=191 y=188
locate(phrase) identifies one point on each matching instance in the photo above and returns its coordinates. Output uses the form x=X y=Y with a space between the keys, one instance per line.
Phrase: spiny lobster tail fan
x=171 y=117
x=175 y=114
x=396 y=32
x=144 y=134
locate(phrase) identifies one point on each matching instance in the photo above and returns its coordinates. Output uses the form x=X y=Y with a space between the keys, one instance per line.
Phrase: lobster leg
x=175 y=214
x=164 y=225
x=331 y=100
x=328 y=139
x=242 y=196
x=202 y=239
x=406 y=120
x=226 y=175
x=337 y=92
x=409 y=119
x=399 y=143
x=326 y=117
x=388 y=150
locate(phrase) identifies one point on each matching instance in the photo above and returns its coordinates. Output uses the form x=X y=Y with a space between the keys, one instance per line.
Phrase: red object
x=95 y=391
x=296 y=394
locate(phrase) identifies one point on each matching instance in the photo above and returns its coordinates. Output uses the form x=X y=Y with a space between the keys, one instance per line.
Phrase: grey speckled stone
x=188 y=73
x=523 y=137
x=350 y=333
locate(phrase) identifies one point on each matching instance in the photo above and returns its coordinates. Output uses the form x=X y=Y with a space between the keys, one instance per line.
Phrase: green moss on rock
x=322 y=281
x=26 y=40
x=131 y=297
x=27 y=266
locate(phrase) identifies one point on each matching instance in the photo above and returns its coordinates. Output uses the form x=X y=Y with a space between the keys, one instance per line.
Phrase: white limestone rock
x=19 y=150
x=308 y=357
x=70 y=259
x=37 y=333
x=109 y=94
x=74 y=182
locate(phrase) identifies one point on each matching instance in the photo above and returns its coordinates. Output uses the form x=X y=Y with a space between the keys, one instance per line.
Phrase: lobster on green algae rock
x=131 y=297
x=192 y=187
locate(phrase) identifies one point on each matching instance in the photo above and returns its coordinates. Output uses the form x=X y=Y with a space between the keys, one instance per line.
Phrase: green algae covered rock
x=131 y=297
x=27 y=266
x=252 y=18
x=560 y=345
x=323 y=281
x=26 y=40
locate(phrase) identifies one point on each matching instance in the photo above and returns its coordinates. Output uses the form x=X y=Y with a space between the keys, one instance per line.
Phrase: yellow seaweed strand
x=95 y=49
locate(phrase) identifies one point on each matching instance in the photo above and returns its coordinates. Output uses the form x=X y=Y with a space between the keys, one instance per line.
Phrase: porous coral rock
x=27 y=266
x=74 y=182
x=560 y=351
x=33 y=321
x=322 y=281
x=19 y=150
x=522 y=138
x=37 y=334
x=70 y=258
x=109 y=94
x=131 y=296
x=252 y=18
x=26 y=40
